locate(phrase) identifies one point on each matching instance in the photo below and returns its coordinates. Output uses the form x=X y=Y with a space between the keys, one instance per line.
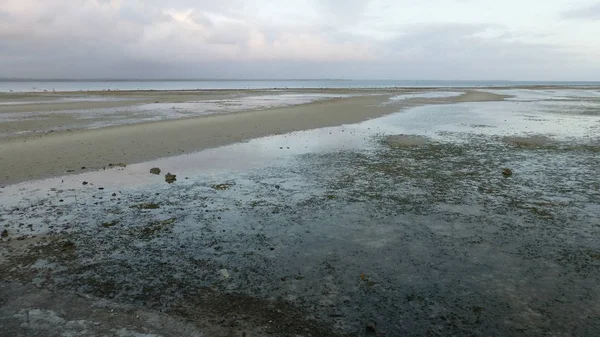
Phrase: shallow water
x=425 y=239
x=139 y=113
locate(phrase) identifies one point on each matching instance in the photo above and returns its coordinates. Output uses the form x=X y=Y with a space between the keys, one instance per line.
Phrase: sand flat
x=39 y=156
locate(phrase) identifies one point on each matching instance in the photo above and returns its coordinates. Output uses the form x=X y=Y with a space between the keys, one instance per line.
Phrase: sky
x=270 y=39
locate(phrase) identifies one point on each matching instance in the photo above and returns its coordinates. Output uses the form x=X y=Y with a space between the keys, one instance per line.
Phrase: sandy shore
x=33 y=157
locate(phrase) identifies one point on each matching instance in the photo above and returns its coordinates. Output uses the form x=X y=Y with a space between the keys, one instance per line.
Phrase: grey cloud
x=141 y=41
x=4 y=15
x=457 y=52
x=141 y=15
x=591 y=13
x=344 y=10
x=201 y=19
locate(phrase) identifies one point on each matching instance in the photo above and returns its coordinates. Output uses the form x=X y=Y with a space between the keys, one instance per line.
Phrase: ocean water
x=72 y=85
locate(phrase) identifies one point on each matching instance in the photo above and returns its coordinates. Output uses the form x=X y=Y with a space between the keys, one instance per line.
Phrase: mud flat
x=325 y=232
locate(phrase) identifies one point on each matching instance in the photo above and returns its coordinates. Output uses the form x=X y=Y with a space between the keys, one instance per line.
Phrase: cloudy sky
x=368 y=39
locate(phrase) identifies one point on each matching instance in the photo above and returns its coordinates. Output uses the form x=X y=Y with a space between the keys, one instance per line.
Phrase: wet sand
x=39 y=156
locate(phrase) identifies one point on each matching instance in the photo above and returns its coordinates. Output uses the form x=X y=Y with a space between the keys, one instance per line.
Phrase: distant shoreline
x=274 y=80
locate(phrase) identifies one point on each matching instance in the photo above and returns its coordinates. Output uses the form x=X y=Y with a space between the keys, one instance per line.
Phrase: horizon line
x=24 y=79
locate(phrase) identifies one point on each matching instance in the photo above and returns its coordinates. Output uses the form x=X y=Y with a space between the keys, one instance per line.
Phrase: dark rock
x=4 y=233
x=507 y=172
x=110 y=224
x=101 y=188
x=68 y=245
x=149 y=205
x=170 y=178
x=84 y=183
x=117 y=165
x=83 y=167
x=155 y=170
x=371 y=329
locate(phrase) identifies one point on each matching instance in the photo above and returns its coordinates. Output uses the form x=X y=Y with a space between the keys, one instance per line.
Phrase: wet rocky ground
x=409 y=235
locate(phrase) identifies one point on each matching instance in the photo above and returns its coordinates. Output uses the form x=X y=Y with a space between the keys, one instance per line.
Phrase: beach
x=301 y=212
x=49 y=153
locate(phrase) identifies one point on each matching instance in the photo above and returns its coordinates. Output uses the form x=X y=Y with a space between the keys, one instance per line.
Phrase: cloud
x=301 y=39
x=591 y=13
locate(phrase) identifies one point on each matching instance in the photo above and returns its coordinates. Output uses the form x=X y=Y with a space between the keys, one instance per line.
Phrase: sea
x=18 y=85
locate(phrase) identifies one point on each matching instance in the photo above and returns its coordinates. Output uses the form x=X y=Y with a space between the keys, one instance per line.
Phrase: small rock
x=224 y=273
x=117 y=165
x=170 y=178
x=4 y=233
x=68 y=245
x=277 y=186
x=155 y=170
x=110 y=224
x=84 y=183
x=149 y=205
x=507 y=172
x=371 y=329
x=222 y=187
x=83 y=167
x=100 y=188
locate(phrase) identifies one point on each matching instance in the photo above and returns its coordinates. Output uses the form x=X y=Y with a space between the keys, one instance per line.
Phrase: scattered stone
x=331 y=197
x=83 y=167
x=84 y=183
x=371 y=329
x=478 y=310
x=158 y=226
x=68 y=245
x=149 y=205
x=117 y=165
x=110 y=224
x=507 y=172
x=114 y=194
x=277 y=186
x=4 y=233
x=155 y=170
x=101 y=188
x=224 y=273
x=156 y=101
x=222 y=187
x=170 y=178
